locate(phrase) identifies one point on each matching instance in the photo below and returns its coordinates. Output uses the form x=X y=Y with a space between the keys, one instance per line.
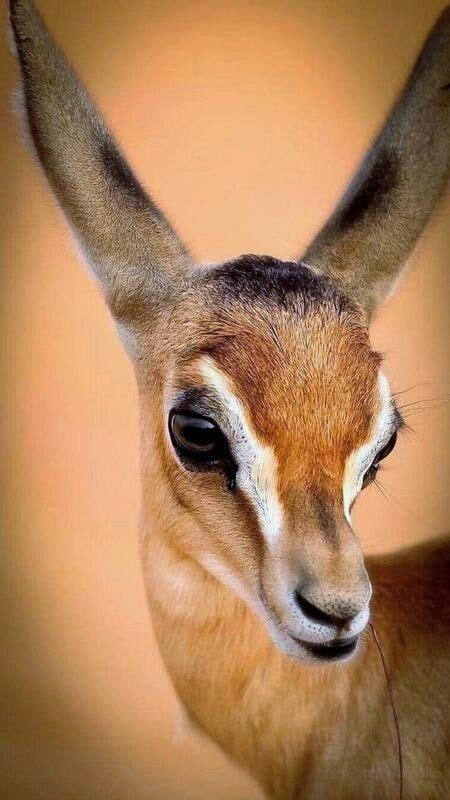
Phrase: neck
x=267 y=712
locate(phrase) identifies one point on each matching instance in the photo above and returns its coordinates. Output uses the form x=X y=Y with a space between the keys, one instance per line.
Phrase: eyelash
x=377 y=463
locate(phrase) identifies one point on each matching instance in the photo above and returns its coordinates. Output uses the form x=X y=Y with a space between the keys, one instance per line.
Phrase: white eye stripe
x=360 y=460
x=257 y=464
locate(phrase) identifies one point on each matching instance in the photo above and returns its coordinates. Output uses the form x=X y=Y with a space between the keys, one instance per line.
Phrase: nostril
x=311 y=611
x=316 y=614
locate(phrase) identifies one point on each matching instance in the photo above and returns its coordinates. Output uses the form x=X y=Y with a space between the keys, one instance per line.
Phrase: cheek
x=225 y=521
x=228 y=544
x=234 y=534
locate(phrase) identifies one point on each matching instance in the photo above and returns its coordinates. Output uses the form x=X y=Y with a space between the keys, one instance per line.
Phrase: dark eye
x=383 y=453
x=197 y=437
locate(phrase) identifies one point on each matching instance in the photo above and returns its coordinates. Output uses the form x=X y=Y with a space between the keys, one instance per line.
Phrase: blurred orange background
x=245 y=120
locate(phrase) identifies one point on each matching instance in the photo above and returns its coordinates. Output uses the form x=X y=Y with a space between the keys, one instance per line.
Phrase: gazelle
x=264 y=413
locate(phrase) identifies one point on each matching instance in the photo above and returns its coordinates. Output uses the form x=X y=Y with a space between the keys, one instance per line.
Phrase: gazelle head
x=265 y=410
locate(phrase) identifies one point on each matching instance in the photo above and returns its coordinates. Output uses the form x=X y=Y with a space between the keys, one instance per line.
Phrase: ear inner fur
x=130 y=246
x=365 y=243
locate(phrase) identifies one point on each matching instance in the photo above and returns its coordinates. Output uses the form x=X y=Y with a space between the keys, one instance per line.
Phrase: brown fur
x=314 y=733
x=290 y=342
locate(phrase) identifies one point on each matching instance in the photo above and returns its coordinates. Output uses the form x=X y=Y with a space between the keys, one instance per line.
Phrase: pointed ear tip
x=19 y=7
x=442 y=21
x=21 y=13
x=26 y=30
x=16 y=6
x=444 y=15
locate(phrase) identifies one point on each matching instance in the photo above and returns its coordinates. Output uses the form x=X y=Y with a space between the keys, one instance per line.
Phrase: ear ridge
x=366 y=241
x=131 y=247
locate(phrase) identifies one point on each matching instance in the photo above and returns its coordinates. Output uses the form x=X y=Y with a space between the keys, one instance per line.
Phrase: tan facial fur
x=273 y=379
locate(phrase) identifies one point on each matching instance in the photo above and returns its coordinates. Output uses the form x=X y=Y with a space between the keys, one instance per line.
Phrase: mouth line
x=330 y=651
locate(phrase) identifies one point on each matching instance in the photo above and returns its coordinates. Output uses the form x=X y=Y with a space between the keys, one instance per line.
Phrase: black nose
x=317 y=614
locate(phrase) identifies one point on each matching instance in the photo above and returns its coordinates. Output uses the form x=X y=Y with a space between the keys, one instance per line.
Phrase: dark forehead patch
x=298 y=354
x=252 y=278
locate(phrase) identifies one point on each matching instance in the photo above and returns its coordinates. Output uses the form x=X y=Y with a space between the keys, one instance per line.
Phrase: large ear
x=132 y=249
x=368 y=238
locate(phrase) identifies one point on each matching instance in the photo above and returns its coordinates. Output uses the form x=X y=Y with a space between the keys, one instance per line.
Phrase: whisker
x=419 y=386
x=389 y=496
x=390 y=691
x=380 y=489
x=427 y=401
